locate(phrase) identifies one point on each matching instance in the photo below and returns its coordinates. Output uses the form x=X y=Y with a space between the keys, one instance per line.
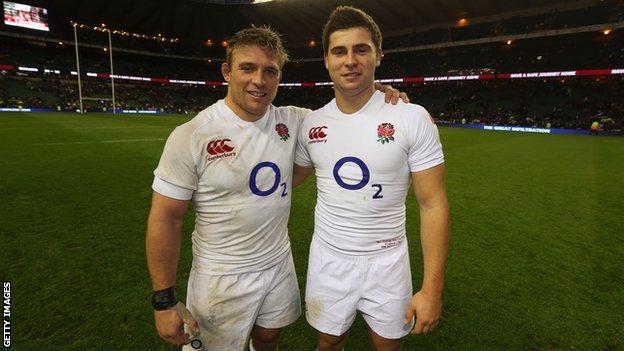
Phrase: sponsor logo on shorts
x=219 y=148
x=386 y=243
x=282 y=131
x=317 y=135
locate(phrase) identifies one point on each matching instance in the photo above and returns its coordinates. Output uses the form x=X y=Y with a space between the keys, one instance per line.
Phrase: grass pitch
x=536 y=259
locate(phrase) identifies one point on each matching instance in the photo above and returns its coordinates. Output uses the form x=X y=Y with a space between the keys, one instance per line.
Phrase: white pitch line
x=99 y=142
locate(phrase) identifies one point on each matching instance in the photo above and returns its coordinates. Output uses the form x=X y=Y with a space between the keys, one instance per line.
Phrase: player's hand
x=169 y=324
x=392 y=95
x=427 y=308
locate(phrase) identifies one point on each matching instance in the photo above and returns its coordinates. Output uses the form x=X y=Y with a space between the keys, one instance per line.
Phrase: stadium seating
x=571 y=102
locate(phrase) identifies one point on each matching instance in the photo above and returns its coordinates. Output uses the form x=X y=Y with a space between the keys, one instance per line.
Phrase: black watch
x=164 y=299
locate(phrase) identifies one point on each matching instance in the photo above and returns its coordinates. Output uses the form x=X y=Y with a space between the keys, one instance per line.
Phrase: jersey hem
x=204 y=267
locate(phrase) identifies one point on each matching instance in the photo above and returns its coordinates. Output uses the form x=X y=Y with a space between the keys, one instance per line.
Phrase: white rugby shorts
x=227 y=306
x=379 y=286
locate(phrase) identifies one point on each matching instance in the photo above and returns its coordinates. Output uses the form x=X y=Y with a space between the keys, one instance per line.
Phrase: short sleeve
x=177 y=163
x=171 y=190
x=425 y=150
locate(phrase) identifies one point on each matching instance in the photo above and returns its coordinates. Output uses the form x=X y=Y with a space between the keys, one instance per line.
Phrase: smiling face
x=351 y=60
x=253 y=78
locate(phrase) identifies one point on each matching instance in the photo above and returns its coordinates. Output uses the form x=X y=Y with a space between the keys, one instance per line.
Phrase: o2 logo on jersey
x=365 y=176
x=253 y=182
x=317 y=135
x=219 y=148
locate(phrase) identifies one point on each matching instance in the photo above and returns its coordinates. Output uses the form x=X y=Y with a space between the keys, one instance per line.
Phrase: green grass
x=536 y=259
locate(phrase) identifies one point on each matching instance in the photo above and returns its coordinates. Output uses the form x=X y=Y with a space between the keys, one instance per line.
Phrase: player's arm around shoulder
x=392 y=95
x=430 y=192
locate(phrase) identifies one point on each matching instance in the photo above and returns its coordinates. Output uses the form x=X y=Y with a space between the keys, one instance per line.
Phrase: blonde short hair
x=263 y=37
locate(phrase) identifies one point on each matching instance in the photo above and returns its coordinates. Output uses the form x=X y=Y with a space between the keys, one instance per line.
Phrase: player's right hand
x=170 y=323
x=427 y=309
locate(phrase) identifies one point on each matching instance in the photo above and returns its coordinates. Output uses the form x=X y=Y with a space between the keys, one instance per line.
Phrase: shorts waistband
x=399 y=248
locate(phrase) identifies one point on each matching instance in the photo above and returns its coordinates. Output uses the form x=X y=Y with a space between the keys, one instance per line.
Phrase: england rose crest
x=282 y=131
x=385 y=132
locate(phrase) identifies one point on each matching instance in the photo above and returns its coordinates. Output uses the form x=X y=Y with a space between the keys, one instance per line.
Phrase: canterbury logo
x=217 y=147
x=317 y=133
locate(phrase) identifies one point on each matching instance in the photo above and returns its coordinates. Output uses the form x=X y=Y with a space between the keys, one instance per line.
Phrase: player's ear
x=226 y=71
x=379 y=57
x=325 y=60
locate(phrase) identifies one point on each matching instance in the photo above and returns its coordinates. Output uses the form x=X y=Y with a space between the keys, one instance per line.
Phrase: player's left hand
x=427 y=308
x=392 y=95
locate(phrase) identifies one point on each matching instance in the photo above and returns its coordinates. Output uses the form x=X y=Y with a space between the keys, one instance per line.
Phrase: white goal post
x=110 y=52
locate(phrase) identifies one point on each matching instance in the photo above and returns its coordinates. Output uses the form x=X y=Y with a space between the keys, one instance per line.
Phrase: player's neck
x=240 y=112
x=349 y=102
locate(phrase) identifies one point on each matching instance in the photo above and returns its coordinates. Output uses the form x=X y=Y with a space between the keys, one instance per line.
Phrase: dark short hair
x=345 y=17
x=263 y=37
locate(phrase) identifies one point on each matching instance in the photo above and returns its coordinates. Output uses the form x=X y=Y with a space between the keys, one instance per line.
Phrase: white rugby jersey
x=363 y=163
x=238 y=175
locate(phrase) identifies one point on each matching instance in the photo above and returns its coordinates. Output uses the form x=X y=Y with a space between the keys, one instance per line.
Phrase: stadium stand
x=604 y=12
x=561 y=101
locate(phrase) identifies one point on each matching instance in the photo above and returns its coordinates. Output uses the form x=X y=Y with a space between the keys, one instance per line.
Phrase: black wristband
x=164 y=299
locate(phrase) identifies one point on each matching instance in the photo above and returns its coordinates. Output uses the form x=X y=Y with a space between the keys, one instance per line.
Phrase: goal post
x=81 y=98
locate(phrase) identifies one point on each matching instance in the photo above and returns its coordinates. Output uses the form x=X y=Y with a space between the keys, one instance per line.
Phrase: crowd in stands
x=605 y=12
x=52 y=55
x=554 y=102
x=558 y=103
x=571 y=103
x=62 y=95
x=584 y=50
x=568 y=52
